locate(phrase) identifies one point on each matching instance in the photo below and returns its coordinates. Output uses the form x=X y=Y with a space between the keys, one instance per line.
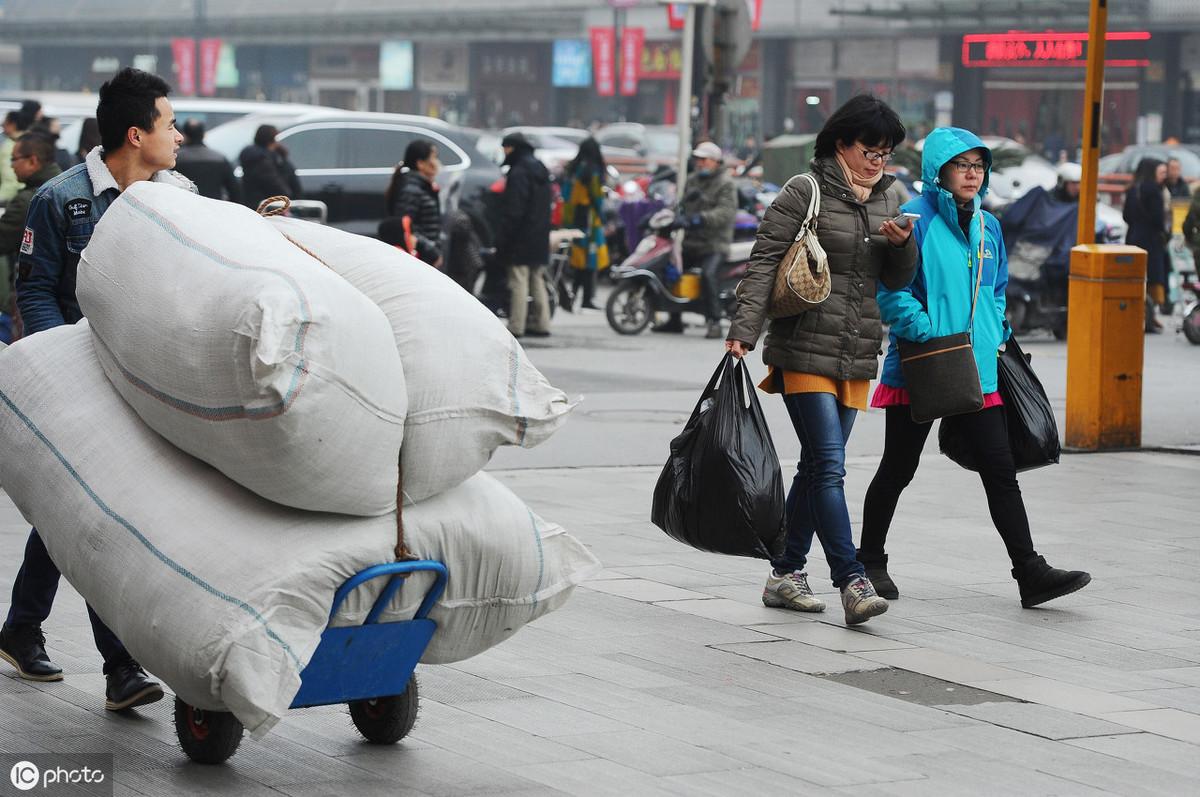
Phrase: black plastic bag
x=1032 y=430
x=721 y=489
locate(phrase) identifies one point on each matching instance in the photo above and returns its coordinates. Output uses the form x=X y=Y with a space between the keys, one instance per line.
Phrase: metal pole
x=1093 y=103
x=684 y=114
x=617 y=14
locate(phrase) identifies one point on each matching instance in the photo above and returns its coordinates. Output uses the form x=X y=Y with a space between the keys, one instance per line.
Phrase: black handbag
x=940 y=373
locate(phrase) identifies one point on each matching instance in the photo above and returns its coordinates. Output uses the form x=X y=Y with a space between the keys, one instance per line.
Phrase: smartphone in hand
x=904 y=219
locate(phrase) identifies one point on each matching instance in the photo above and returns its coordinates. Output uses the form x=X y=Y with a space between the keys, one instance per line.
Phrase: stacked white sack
x=242 y=350
x=218 y=592
x=471 y=388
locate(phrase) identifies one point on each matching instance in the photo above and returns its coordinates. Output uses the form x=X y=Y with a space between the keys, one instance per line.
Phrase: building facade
x=490 y=64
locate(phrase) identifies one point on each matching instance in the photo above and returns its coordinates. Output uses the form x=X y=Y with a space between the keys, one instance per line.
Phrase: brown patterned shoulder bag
x=802 y=277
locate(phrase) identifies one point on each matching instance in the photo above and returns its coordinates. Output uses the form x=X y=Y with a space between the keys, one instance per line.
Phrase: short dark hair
x=265 y=134
x=39 y=145
x=863 y=118
x=193 y=131
x=419 y=149
x=128 y=100
x=13 y=118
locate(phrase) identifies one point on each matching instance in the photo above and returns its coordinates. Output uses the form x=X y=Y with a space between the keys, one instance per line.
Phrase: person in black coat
x=204 y=166
x=523 y=236
x=266 y=170
x=1146 y=214
x=413 y=193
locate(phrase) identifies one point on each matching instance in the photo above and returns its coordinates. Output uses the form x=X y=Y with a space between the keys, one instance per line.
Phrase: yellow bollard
x=1105 y=338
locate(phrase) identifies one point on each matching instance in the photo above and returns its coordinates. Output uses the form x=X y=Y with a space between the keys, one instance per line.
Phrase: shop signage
x=632 y=41
x=661 y=61
x=184 y=52
x=210 y=56
x=396 y=65
x=602 y=61
x=1052 y=49
x=228 y=76
x=572 y=67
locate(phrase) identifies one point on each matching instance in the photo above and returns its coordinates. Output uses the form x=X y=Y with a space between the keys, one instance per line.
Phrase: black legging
x=903 y=441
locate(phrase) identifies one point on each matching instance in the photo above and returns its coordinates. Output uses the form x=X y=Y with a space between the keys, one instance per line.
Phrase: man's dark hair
x=193 y=131
x=264 y=135
x=863 y=118
x=13 y=118
x=39 y=145
x=128 y=100
x=419 y=149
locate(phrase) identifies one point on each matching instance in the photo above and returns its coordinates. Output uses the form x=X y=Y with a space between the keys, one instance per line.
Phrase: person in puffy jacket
x=523 y=237
x=1145 y=211
x=956 y=239
x=823 y=359
x=413 y=194
x=266 y=170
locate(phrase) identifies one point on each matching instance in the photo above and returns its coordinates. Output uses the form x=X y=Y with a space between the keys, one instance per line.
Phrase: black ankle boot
x=1039 y=582
x=24 y=647
x=876 y=567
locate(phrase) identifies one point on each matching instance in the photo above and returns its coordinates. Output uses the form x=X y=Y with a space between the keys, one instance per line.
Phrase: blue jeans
x=817 y=501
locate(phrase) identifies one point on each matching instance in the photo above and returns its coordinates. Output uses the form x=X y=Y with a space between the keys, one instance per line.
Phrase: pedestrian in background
x=953 y=230
x=413 y=194
x=208 y=169
x=34 y=165
x=523 y=237
x=1177 y=187
x=583 y=198
x=89 y=138
x=9 y=184
x=823 y=359
x=50 y=126
x=266 y=170
x=1146 y=214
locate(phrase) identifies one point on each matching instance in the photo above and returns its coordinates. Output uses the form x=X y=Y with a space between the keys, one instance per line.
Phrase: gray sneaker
x=860 y=601
x=791 y=591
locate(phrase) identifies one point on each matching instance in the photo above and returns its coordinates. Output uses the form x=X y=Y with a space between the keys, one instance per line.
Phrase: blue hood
x=945 y=143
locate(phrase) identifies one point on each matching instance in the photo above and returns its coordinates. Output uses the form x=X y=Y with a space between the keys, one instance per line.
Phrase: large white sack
x=471 y=388
x=220 y=593
x=242 y=350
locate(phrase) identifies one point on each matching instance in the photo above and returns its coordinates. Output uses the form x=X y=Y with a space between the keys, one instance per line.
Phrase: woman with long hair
x=1145 y=212
x=413 y=194
x=583 y=209
x=823 y=359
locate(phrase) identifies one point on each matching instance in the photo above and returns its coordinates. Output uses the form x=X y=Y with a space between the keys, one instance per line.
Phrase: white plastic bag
x=244 y=351
x=471 y=388
x=224 y=595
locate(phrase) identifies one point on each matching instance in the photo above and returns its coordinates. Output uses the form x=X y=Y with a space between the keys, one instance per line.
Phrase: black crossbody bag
x=941 y=374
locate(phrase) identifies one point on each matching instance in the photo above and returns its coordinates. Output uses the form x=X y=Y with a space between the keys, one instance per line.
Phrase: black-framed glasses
x=962 y=167
x=875 y=157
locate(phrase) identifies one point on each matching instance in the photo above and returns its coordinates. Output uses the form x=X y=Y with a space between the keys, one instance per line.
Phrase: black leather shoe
x=24 y=647
x=670 y=326
x=878 y=575
x=1039 y=582
x=128 y=686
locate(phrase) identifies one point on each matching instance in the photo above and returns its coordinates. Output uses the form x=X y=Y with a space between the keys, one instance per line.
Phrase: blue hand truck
x=368 y=666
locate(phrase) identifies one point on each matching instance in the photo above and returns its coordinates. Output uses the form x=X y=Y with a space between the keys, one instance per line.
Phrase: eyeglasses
x=875 y=157
x=962 y=167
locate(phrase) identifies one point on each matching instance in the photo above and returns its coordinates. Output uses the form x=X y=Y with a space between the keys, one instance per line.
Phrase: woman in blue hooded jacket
x=955 y=238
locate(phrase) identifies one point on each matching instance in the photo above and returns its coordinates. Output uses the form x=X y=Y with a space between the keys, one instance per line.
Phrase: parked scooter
x=650 y=280
x=1190 y=326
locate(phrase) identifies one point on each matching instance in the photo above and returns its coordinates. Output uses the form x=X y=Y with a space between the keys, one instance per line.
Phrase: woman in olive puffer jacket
x=823 y=359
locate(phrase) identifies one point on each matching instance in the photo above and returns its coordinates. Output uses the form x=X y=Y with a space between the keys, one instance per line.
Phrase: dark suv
x=346 y=158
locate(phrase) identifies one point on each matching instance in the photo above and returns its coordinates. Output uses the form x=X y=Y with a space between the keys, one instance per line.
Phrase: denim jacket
x=62 y=216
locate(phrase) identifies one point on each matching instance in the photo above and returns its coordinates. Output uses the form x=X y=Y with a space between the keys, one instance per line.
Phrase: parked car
x=1126 y=161
x=654 y=145
x=209 y=110
x=346 y=158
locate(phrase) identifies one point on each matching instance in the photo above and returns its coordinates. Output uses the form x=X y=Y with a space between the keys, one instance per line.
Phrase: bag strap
x=978 y=276
x=814 y=205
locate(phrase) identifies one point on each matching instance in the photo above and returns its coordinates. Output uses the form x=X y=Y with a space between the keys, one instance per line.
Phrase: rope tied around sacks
x=278 y=206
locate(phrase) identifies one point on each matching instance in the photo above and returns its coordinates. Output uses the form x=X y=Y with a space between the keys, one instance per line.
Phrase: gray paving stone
x=1150 y=750
x=496 y=744
x=594 y=776
x=1169 y=722
x=436 y=772
x=544 y=717
x=641 y=589
x=833 y=638
x=1044 y=721
x=799 y=657
x=751 y=780
x=651 y=753
x=947 y=666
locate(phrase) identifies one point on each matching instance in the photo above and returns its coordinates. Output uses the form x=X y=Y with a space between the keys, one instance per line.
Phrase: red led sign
x=1050 y=49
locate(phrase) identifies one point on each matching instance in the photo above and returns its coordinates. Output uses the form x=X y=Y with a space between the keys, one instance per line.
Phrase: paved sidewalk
x=666 y=675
